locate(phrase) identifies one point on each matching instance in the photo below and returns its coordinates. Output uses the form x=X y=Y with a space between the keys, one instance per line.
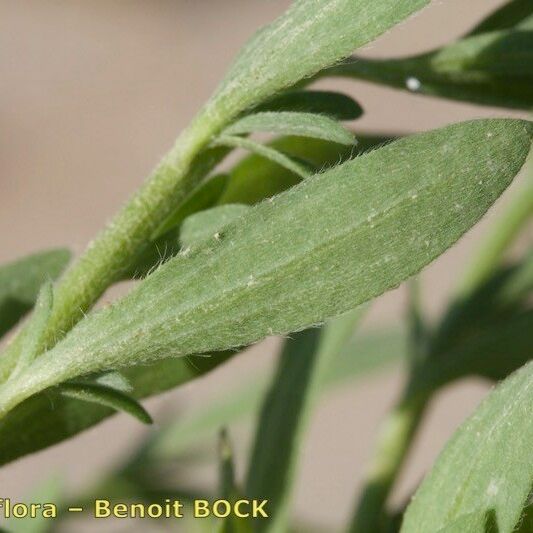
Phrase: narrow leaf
x=309 y=36
x=166 y=241
x=489 y=69
x=115 y=380
x=228 y=488
x=335 y=105
x=493 y=353
x=21 y=280
x=281 y=268
x=256 y=178
x=208 y=224
x=203 y=197
x=34 y=334
x=514 y=13
x=106 y=396
x=264 y=151
x=291 y=123
x=32 y=425
x=479 y=471
x=50 y=417
x=286 y=413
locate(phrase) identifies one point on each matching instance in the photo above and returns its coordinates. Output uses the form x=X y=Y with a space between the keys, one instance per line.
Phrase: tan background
x=91 y=95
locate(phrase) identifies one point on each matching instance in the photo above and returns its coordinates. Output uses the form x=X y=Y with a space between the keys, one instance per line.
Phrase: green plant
x=300 y=234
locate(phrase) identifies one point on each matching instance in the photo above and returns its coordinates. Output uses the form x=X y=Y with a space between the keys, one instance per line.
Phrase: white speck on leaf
x=413 y=84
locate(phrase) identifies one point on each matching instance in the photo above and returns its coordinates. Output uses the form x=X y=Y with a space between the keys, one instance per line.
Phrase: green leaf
x=489 y=69
x=21 y=280
x=32 y=425
x=166 y=241
x=335 y=105
x=35 y=425
x=492 y=304
x=281 y=268
x=266 y=152
x=207 y=224
x=228 y=488
x=115 y=380
x=309 y=36
x=106 y=396
x=515 y=13
x=286 y=413
x=33 y=336
x=493 y=353
x=203 y=197
x=485 y=468
x=255 y=178
x=292 y=123
x=471 y=522
x=526 y=521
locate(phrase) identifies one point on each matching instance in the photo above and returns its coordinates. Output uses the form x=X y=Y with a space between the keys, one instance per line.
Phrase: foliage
x=292 y=240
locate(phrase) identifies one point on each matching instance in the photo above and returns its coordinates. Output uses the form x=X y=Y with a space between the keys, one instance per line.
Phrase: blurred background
x=91 y=96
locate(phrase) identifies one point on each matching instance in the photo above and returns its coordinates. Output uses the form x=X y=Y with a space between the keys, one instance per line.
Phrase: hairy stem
x=122 y=240
x=394 y=440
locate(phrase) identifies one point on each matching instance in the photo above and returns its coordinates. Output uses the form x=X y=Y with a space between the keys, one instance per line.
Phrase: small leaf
x=256 y=178
x=485 y=468
x=114 y=380
x=309 y=36
x=203 y=197
x=515 y=13
x=34 y=425
x=166 y=241
x=286 y=412
x=489 y=69
x=335 y=105
x=208 y=224
x=291 y=123
x=493 y=353
x=21 y=280
x=500 y=298
x=264 y=151
x=281 y=268
x=228 y=488
x=33 y=335
x=107 y=396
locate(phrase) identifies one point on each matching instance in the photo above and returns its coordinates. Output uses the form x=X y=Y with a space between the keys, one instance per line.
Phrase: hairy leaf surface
x=292 y=123
x=206 y=224
x=309 y=36
x=485 y=468
x=281 y=268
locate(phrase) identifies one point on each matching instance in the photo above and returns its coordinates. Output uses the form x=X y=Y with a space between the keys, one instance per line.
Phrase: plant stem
x=126 y=235
x=394 y=440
